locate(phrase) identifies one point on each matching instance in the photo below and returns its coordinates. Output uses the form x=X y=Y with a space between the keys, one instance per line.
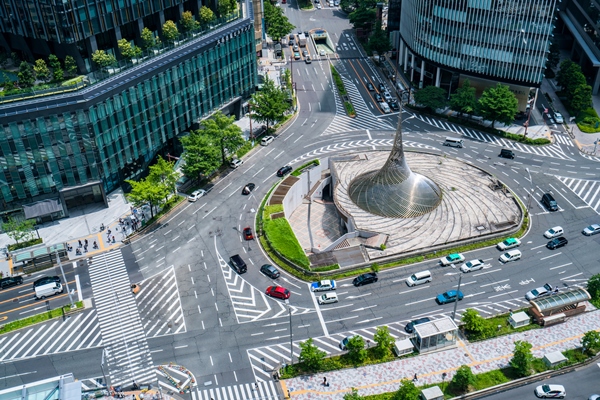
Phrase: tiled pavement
x=481 y=357
x=324 y=225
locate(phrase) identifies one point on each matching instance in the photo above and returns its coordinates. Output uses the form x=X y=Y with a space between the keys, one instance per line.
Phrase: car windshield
x=448 y=295
x=545 y=388
x=469 y=264
x=535 y=292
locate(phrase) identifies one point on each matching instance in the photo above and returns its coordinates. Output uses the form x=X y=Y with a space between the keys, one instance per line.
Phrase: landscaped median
x=43 y=317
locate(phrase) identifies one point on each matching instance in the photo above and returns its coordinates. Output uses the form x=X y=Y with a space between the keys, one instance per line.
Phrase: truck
x=302 y=40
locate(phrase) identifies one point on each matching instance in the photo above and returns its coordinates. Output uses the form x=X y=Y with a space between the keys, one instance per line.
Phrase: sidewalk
x=481 y=356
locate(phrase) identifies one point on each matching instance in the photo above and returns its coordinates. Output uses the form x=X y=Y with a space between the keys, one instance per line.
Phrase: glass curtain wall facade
x=108 y=139
x=504 y=41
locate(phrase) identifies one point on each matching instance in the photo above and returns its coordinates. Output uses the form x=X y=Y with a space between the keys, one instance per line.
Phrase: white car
x=473 y=265
x=266 y=140
x=509 y=244
x=559 y=118
x=235 y=163
x=512 y=255
x=551 y=391
x=539 y=292
x=318 y=6
x=328 y=298
x=196 y=195
x=455 y=258
x=322 y=52
x=323 y=286
x=591 y=230
x=553 y=232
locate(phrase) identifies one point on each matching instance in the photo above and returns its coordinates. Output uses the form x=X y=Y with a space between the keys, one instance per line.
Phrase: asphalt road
x=227 y=316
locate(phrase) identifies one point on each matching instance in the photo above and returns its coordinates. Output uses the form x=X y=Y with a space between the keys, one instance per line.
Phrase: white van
x=385 y=108
x=419 y=278
x=50 y=289
x=266 y=140
x=454 y=142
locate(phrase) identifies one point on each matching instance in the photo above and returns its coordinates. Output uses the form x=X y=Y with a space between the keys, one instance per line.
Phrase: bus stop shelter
x=435 y=335
x=39 y=258
x=558 y=307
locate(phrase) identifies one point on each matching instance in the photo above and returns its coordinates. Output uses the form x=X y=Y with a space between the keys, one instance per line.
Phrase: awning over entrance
x=42 y=208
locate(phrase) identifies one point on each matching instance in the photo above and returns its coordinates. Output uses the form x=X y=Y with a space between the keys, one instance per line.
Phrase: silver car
x=591 y=230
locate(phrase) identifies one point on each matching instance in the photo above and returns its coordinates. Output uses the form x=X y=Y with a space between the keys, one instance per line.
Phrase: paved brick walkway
x=481 y=357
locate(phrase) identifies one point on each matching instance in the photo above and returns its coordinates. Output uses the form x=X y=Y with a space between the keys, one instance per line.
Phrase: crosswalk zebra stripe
x=127 y=355
x=583 y=188
x=244 y=391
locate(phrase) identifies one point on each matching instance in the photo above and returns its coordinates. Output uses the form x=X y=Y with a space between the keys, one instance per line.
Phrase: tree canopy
x=188 y=22
x=70 y=65
x=384 y=341
x=593 y=287
x=498 y=104
x=25 y=75
x=57 y=71
x=310 y=355
x=103 y=59
x=464 y=100
x=19 y=230
x=431 y=97
x=407 y=391
x=581 y=98
x=379 y=40
x=591 y=341
x=522 y=358
x=569 y=77
x=41 y=70
x=206 y=15
x=463 y=378
x=170 y=31
x=276 y=22
x=202 y=154
x=269 y=105
x=227 y=7
x=363 y=17
x=127 y=50
x=356 y=349
x=227 y=134
x=148 y=39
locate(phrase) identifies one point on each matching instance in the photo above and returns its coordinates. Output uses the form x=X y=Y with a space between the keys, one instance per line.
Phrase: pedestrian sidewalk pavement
x=481 y=356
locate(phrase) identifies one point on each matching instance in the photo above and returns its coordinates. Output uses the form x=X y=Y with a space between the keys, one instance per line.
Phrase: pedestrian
x=79 y=243
x=415 y=378
x=86 y=242
x=113 y=238
x=324 y=381
x=256 y=387
x=556 y=289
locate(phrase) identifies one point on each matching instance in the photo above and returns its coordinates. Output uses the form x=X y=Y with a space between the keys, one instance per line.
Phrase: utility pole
x=63 y=276
x=457 y=292
x=291 y=336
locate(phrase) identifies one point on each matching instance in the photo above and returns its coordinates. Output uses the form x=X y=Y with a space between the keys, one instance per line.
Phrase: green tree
x=103 y=59
x=228 y=135
x=384 y=341
x=127 y=50
x=57 y=71
x=226 y=7
x=464 y=100
x=70 y=66
x=363 y=17
x=19 y=230
x=474 y=322
x=463 y=378
x=201 y=154
x=407 y=391
x=522 y=358
x=498 y=104
x=206 y=15
x=569 y=77
x=431 y=97
x=353 y=395
x=356 y=349
x=591 y=341
x=310 y=355
x=593 y=287
x=146 y=191
x=188 y=22
x=25 y=75
x=170 y=31
x=40 y=68
x=270 y=104
x=379 y=40
x=581 y=99
x=163 y=174
x=149 y=41
x=276 y=22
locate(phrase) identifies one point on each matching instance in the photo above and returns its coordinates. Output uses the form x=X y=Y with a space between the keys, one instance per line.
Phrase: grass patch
x=491 y=330
x=298 y=171
x=350 y=109
x=326 y=268
x=23 y=245
x=282 y=238
x=72 y=81
x=36 y=319
x=588 y=121
x=338 y=81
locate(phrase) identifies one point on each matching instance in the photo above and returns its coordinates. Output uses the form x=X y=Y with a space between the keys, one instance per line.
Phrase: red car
x=278 y=292
x=248 y=233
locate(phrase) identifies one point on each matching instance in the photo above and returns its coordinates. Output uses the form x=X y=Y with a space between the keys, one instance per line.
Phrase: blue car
x=323 y=286
x=449 y=297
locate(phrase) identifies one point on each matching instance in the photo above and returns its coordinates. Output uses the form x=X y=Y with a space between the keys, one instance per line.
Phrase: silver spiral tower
x=395 y=191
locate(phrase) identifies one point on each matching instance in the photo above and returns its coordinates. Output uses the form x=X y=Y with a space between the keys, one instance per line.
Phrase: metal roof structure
x=560 y=300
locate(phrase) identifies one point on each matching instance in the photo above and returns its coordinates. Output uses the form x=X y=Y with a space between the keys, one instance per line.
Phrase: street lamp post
x=457 y=292
x=63 y=276
x=530 y=190
x=287 y=302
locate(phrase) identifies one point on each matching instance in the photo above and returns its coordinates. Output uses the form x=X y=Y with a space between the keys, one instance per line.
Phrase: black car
x=549 y=202
x=306 y=33
x=381 y=87
x=364 y=279
x=10 y=281
x=506 y=153
x=557 y=242
x=44 y=280
x=410 y=327
x=284 y=170
x=370 y=87
x=248 y=188
x=304 y=53
x=270 y=271
x=394 y=106
x=377 y=97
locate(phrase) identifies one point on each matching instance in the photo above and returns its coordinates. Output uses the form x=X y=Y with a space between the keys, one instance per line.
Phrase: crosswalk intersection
x=260 y=390
x=127 y=355
x=586 y=190
x=553 y=150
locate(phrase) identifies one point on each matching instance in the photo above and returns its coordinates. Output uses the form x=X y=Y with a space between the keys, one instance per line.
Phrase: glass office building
x=75 y=147
x=499 y=41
